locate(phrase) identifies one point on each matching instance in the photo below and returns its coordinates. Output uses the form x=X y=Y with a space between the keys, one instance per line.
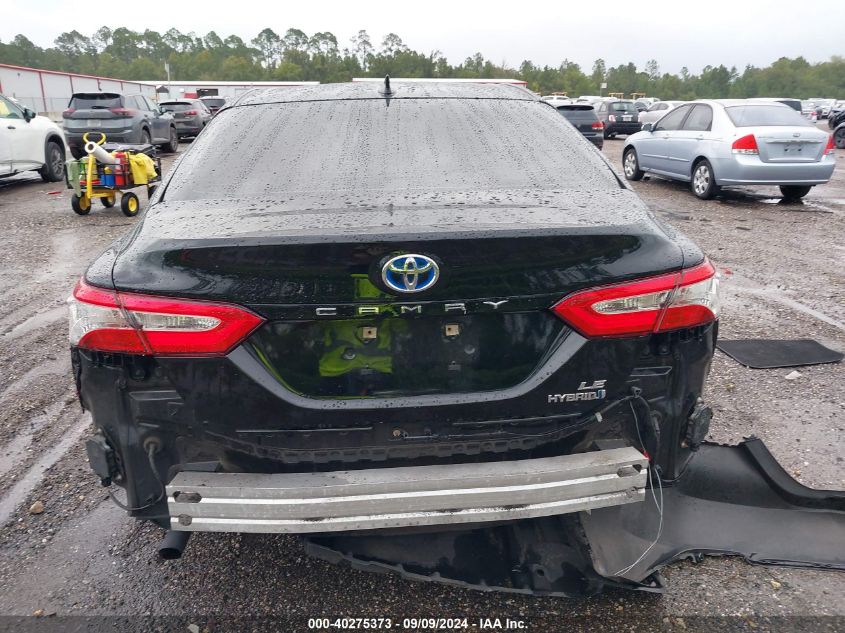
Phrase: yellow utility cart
x=109 y=169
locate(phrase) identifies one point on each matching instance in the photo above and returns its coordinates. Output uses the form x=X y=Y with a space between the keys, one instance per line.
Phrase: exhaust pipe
x=173 y=545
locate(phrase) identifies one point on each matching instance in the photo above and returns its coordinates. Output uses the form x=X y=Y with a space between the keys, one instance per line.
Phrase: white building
x=48 y=91
x=226 y=89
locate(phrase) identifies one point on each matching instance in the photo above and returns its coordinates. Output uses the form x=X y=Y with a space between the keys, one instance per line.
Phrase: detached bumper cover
x=732 y=500
x=406 y=497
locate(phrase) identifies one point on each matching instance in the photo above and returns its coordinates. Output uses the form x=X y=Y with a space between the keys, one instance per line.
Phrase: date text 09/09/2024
x=415 y=624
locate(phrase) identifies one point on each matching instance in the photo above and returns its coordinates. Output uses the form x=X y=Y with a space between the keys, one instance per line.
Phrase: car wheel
x=146 y=139
x=794 y=192
x=173 y=145
x=703 y=181
x=129 y=204
x=839 y=138
x=631 y=165
x=80 y=204
x=54 y=164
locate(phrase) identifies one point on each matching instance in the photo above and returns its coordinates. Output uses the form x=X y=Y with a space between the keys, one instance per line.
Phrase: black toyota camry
x=366 y=306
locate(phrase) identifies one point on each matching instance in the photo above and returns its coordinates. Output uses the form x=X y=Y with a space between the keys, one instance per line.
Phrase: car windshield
x=214 y=103
x=177 y=107
x=764 y=115
x=365 y=145
x=95 y=101
x=623 y=106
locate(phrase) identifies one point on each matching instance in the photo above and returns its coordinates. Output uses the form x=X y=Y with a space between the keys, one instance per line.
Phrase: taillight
x=683 y=299
x=745 y=145
x=830 y=148
x=68 y=112
x=123 y=111
x=191 y=112
x=598 y=125
x=611 y=118
x=122 y=322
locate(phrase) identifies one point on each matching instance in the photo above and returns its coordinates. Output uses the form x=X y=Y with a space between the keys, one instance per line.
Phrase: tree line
x=296 y=56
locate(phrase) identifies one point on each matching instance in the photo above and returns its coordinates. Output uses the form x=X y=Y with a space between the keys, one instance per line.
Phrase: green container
x=74 y=171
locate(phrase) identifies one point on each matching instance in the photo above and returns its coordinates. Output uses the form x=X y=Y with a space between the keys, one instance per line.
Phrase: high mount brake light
x=745 y=145
x=677 y=300
x=122 y=322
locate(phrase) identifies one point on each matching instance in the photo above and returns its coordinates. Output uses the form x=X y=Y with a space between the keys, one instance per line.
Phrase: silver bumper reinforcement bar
x=407 y=496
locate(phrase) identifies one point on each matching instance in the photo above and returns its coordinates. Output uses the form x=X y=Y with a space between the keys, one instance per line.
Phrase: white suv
x=30 y=142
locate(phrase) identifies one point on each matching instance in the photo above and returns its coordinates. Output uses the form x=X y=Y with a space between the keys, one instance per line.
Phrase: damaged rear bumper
x=406 y=497
x=731 y=500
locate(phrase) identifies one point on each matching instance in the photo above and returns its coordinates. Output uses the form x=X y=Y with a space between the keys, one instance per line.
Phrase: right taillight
x=128 y=323
x=673 y=301
x=745 y=145
x=830 y=148
x=598 y=125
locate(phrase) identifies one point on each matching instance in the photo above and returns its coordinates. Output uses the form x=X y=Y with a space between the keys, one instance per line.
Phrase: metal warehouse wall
x=48 y=91
x=229 y=90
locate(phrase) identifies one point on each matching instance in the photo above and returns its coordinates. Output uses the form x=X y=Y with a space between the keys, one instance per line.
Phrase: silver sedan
x=720 y=143
x=657 y=110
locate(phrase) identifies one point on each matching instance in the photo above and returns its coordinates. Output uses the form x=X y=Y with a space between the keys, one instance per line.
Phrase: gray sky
x=677 y=34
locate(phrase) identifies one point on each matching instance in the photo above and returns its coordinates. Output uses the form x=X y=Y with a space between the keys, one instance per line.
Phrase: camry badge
x=410 y=273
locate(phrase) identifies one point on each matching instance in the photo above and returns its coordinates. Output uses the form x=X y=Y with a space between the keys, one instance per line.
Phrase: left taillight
x=830 y=148
x=121 y=322
x=598 y=125
x=673 y=301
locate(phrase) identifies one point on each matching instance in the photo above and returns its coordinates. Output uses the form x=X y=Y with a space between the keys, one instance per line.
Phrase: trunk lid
x=790 y=144
x=336 y=331
x=581 y=116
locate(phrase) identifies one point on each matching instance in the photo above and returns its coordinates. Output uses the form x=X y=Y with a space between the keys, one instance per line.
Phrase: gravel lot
x=784 y=268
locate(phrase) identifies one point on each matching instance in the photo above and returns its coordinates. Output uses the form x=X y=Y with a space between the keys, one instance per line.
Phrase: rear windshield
x=177 y=107
x=792 y=103
x=756 y=115
x=216 y=103
x=578 y=112
x=622 y=106
x=95 y=101
x=344 y=147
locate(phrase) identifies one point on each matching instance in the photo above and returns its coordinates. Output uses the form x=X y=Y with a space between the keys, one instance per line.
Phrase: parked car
x=837 y=116
x=589 y=99
x=805 y=108
x=382 y=364
x=583 y=117
x=824 y=106
x=657 y=110
x=556 y=100
x=213 y=103
x=839 y=136
x=618 y=117
x=810 y=111
x=644 y=103
x=720 y=143
x=190 y=115
x=122 y=118
x=29 y=142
